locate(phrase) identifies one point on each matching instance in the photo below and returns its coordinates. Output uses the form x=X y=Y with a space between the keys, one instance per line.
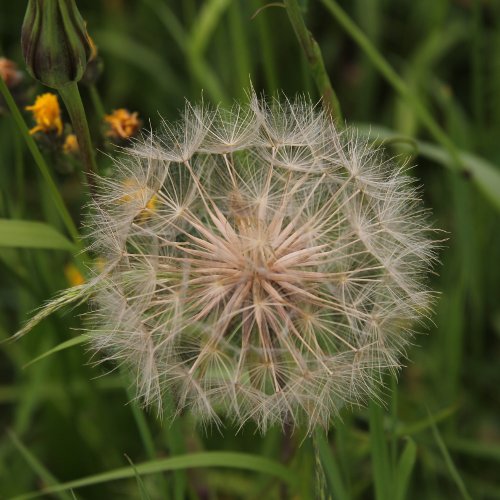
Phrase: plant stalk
x=315 y=61
x=73 y=102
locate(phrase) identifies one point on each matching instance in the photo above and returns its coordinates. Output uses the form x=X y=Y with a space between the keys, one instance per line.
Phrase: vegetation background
x=438 y=435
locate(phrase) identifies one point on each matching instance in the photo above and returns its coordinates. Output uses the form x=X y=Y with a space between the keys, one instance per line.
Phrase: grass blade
x=16 y=233
x=405 y=468
x=140 y=483
x=59 y=347
x=448 y=460
x=205 y=24
x=206 y=459
x=380 y=453
x=479 y=449
x=330 y=467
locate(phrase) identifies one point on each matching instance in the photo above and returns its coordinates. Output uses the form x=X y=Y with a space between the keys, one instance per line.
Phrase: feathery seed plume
x=258 y=264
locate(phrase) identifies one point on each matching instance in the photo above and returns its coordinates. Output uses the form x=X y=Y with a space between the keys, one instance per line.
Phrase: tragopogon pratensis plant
x=256 y=263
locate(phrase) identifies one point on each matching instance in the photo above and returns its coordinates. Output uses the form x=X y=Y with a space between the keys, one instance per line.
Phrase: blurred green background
x=438 y=436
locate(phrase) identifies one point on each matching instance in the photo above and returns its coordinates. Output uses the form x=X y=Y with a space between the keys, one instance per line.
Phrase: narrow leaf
x=205 y=24
x=140 y=483
x=59 y=347
x=380 y=453
x=205 y=459
x=331 y=468
x=405 y=468
x=449 y=461
x=31 y=234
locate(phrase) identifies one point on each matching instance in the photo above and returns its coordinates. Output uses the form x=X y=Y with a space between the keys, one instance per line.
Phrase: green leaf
x=425 y=423
x=404 y=469
x=205 y=24
x=31 y=234
x=59 y=347
x=479 y=449
x=206 y=459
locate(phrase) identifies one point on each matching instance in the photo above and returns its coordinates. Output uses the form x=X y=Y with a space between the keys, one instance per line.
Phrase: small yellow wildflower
x=152 y=203
x=100 y=264
x=122 y=123
x=73 y=275
x=70 y=145
x=9 y=72
x=137 y=193
x=47 y=114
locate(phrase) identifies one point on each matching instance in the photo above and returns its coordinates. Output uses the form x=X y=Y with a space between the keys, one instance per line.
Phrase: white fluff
x=258 y=264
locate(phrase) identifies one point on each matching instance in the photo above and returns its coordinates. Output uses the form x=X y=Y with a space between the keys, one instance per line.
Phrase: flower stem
x=314 y=60
x=73 y=102
x=40 y=162
x=97 y=102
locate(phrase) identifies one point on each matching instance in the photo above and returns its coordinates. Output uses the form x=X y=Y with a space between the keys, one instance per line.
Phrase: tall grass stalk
x=314 y=58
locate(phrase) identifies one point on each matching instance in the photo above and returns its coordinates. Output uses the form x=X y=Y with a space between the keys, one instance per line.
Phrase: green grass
x=422 y=78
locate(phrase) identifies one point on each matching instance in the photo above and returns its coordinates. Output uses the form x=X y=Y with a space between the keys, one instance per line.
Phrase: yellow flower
x=122 y=123
x=73 y=275
x=70 y=145
x=141 y=195
x=47 y=114
x=9 y=72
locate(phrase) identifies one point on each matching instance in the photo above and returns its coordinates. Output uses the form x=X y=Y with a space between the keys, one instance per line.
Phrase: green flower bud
x=55 y=42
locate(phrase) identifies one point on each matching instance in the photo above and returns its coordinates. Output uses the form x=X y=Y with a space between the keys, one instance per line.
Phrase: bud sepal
x=56 y=46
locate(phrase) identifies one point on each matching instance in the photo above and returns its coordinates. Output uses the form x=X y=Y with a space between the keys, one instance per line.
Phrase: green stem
x=40 y=162
x=97 y=102
x=397 y=82
x=19 y=163
x=380 y=453
x=314 y=60
x=71 y=97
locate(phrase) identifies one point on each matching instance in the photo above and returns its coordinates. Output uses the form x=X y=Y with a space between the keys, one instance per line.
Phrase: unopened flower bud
x=55 y=42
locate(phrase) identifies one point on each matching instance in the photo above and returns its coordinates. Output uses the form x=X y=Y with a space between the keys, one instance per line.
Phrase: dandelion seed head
x=258 y=264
